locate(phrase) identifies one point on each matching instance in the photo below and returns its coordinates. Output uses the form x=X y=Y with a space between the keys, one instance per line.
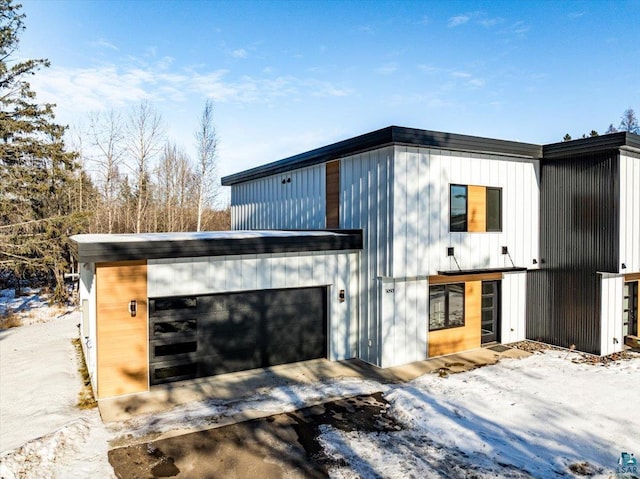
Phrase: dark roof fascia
x=612 y=141
x=109 y=251
x=465 y=272
x=391 y=135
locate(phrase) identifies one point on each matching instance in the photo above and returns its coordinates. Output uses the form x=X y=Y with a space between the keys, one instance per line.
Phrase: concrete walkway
x=234 y=386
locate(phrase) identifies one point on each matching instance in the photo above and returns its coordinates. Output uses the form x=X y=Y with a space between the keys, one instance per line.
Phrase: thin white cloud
x=102 y=43
x=387 y=69
x=479 y=18
x=103 y=87
x=239 y=53
x=575 y=15
x=458 y=20
x=458 y=74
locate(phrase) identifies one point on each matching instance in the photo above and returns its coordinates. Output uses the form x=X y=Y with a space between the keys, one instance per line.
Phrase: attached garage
x=160 y=308
x=199 y=336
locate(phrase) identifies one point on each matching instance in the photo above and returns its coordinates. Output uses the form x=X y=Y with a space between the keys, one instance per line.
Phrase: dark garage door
x=199 y=336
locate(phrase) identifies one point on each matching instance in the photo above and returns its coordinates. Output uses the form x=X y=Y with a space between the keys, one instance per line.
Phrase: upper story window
x=475 y=208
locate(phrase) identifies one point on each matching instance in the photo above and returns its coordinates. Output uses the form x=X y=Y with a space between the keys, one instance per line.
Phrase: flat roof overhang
x=391 y=135
x=96 y=248
x=466 y=272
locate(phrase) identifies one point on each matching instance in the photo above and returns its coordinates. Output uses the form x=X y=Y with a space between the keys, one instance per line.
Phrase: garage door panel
x=237 y=331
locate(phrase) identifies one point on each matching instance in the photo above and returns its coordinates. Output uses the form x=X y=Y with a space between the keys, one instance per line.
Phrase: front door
x=490 y=312
x=630 y=309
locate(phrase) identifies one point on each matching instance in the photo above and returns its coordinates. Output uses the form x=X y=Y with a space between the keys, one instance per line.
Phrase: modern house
x=393 y=246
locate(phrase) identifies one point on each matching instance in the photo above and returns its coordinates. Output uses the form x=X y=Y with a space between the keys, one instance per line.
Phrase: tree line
x=119 y=174
x=628 y=122
x=135 y=180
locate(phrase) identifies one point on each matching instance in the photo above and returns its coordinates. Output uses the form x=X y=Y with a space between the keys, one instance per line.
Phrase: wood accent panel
x=448 y=341
x=122 y=342
x=632 y=277
x=464 y=278
x=333 y=194
x=476 y=209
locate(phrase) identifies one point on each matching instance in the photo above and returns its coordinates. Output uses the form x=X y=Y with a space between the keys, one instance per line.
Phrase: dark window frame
x=464 y=225
x=447 y=311
x=466 y=209
x=498 y=229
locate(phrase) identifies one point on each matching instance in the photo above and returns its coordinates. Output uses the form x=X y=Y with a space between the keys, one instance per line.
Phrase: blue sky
x=289 y=76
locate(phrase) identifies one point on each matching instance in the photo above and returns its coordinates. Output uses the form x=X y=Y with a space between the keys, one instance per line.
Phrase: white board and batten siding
x=421 y=211
x=226 y=274
x=513 y=307
x=291 y=200
x=88 y=332
x=611 y=314
x=365 y=196
x=404 y=312
x=629 y=211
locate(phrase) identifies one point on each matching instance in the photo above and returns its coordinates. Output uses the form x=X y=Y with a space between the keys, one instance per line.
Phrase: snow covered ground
x=542 y=416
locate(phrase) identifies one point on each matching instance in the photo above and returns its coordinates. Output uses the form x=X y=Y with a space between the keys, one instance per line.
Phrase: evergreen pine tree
x=36 y=172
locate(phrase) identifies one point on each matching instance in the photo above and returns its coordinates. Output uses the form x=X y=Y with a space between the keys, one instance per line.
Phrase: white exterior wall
x=268 y=203
x=365 y=194
x=629 y=212
x=514 y=307
x=404 y=312
x=88 y=330
x=611 y=339
x=221 y=274
x=421 y=211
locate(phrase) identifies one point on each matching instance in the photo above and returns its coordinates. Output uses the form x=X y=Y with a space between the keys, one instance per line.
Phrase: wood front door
x=123 y=365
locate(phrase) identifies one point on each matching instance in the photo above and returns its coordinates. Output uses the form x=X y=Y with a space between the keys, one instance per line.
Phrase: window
x=494 y=209
x=458 y=217
x=446 y=306
x=475 y=209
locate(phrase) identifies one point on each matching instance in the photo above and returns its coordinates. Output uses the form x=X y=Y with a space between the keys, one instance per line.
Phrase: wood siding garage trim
x=121 y=339
x=476 y=209
x=448 y=341
x=333 y=194
x=632 y=277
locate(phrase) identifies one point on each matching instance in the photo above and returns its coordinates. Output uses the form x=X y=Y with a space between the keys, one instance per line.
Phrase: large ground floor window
x=446 y=306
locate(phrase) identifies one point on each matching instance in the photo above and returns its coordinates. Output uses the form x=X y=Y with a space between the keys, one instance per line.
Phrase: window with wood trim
x=475 y=209
x=446 y=306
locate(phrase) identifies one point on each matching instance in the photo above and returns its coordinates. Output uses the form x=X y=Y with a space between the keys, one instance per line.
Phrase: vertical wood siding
x=611 y=339
x=207 y=275
x=268 y=203
x=121 y=338
x=333 y=194
x=630 y=211
x=476 y=209
x=366 y=204
x=514 y=306
x=421 y=211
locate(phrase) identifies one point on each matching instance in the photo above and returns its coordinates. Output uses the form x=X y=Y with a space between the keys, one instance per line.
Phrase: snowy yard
x=542 y=416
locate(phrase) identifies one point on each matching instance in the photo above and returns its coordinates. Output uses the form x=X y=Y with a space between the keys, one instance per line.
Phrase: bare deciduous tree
x=175 y=193
x=629 y=121
x=144 y=138
x=106 y=136
x=207 y=144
